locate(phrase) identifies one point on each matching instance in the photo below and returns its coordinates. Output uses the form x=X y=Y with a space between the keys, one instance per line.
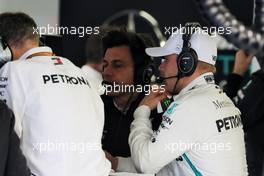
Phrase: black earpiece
x=187 y=59
x=5 y=51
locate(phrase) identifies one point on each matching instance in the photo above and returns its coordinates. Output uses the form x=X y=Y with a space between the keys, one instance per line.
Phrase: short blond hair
x=205 y=67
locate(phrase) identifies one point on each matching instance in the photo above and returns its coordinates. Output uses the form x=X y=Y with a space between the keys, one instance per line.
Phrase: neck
x=187 y=80
x=123 y=101
x=183 y=82
x=20 y=49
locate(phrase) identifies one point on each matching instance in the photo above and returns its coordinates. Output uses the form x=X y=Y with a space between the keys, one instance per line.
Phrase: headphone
x=140 y=64
x=151 y=74
x=5 y=52
x=187 y=59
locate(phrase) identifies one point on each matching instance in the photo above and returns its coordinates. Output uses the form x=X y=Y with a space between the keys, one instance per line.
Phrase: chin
x=166 y=85
x=112 y=94
x=169 y=87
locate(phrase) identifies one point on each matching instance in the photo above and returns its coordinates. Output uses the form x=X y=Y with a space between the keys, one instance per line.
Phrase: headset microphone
x=160 y=79
x=152 y=75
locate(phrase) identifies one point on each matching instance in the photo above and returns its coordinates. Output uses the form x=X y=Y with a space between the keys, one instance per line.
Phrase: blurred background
x=152 y=17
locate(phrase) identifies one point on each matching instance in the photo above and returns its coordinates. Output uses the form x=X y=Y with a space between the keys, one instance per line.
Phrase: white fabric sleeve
x=126 y=165
x=150 y=151
x=12 y=93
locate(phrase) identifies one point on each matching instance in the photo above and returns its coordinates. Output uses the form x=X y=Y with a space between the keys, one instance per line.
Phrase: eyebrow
x=113 y=60
x=117 y=60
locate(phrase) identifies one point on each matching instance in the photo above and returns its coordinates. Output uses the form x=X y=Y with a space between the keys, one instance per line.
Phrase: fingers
x=242 y=62
x=153 y=99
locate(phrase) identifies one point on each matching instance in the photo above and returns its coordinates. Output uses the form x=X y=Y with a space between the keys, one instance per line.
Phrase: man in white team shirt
x=201 y=132
x=59 y=117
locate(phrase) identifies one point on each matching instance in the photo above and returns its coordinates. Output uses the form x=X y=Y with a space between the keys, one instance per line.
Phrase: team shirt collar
x=204 y=79
x=34 y=51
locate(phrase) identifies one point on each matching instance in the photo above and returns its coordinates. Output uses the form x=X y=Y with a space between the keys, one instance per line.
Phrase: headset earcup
x=5 y=52
x=187 y=62
x=138 y=76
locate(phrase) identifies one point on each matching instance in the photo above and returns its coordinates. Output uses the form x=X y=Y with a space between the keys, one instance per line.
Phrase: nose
x=161 y=67
x=107 y=71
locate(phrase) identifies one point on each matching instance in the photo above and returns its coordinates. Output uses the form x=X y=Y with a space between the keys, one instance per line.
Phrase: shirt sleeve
x=151 y=151
x=11 y=92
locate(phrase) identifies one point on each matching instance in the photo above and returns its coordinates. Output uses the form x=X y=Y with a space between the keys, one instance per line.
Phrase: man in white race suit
x=59 y=117
x=201 y=132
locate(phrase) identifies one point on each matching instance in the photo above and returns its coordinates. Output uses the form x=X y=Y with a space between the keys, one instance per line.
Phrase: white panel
x=44 y=12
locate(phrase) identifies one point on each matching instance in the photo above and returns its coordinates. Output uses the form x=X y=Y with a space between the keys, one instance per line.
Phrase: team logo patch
x=171 y=108
x=57 y=61
x=209 y=78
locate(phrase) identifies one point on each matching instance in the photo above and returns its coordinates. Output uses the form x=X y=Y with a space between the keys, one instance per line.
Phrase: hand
x=112 y=159
x=153 y=99
x=242 y=62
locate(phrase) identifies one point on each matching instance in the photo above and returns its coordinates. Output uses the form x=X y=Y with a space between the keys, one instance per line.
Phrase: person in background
x=93 y=66
x=249 y=98
x=94 y=59
x=124 y=64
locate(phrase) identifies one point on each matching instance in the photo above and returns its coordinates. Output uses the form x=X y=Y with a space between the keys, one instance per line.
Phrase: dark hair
x=94 y=45
x=137 y=48
x=15 y=28
x=94 y=49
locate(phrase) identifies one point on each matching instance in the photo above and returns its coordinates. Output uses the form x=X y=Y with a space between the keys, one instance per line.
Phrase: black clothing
x=117 y=126
x=234 y=82
x=251 y=104
x=250 y=101
x=12 y=161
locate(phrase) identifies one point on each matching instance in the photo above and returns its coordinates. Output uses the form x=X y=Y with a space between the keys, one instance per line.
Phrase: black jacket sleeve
x=250 y=101
x=234 y=82
x=12 y=161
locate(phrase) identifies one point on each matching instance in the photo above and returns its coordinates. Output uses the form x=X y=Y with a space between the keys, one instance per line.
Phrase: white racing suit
x=201 y=134
x=59 y=117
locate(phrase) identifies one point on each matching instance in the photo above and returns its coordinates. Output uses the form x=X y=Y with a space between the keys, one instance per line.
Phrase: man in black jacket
x=12 y=161
x=250 y=101
x=124 y=62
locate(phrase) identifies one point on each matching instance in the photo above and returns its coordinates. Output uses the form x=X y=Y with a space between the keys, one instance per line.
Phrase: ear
x=15 y=52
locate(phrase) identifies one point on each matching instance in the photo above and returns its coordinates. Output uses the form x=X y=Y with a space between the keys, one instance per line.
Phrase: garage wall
x=43 y=11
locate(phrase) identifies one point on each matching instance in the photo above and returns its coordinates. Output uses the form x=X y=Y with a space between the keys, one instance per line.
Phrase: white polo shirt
x=59 y=117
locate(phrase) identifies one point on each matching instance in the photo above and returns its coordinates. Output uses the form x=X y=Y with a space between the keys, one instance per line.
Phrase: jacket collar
x=34 y=51
x=204 y=79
